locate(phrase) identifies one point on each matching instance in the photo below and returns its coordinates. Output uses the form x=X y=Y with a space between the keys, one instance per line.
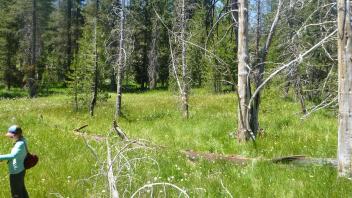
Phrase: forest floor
x=66 y=164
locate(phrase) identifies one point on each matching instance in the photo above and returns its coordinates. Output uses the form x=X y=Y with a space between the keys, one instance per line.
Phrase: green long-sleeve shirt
x=16 y=157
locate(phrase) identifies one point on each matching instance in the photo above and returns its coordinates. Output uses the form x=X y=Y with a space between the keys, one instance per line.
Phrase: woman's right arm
x=15 y=151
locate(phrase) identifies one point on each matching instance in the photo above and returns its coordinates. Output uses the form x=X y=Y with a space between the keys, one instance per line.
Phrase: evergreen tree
x=89 y=64
x=22 y=28
x=64 y=32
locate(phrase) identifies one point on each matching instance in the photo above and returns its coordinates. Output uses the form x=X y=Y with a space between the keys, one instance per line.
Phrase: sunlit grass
x=48 y=123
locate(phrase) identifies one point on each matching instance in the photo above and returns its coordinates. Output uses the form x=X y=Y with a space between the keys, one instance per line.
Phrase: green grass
x=65 y=161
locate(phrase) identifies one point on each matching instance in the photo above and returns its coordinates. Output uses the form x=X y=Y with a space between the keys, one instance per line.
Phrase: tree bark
x=78 y=23
x=121 y=61
x=260 y=66
x=95 y=68
x=153 y=58
x=67 y=64
x=345 y=86
x=243 y=132
x=185 y=84
x=258 y=73
x=299 y=91
x=110 y=172
x=178 y=60
x=32 y=76
x=34 y=36
x=258 y=29
x=234 y=7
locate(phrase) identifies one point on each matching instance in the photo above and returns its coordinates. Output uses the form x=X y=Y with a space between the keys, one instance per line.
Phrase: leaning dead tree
x=345 y=86
x=178 y=50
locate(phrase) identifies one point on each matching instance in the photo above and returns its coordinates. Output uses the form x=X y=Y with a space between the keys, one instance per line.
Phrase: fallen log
x=80 y=128
x=235 y=159
x=115 y=127
x=120 y=133
x=240 y=160
x=304 y=160
x=81 y=133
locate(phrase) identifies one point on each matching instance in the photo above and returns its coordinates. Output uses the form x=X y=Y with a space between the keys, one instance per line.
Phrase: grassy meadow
x=66 y=163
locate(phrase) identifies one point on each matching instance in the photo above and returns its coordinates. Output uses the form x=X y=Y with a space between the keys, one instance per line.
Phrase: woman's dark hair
x=18 y=130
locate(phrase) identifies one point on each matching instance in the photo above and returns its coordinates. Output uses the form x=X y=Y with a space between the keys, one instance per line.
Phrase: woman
x=16 y=162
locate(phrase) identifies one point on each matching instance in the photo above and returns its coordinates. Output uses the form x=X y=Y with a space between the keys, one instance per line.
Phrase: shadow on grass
x=22 y=93
x=12 y=93
x=138 y=89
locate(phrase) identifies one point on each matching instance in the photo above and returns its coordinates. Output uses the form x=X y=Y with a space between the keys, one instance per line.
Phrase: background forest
x=75 y=44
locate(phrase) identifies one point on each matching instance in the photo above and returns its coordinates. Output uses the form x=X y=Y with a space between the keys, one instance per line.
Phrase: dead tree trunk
x=95 y=68
x=248 y=120
x=260 y=67
x=185 y=84
x=120 y=67
x=32 y=76
x=243 y=132
x=258 y=72
x=258 y=29
x=153 y=58
x=68 y=60
x=299 y=91
x=345 y=86
x=234 y=14
x=34 y=36
x=178 y=59
x=110 y=170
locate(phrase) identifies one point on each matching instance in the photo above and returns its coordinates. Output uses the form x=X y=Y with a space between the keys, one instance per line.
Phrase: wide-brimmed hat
x=14 y=129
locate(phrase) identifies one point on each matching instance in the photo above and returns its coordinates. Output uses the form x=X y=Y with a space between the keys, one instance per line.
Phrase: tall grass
x=65 y=161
